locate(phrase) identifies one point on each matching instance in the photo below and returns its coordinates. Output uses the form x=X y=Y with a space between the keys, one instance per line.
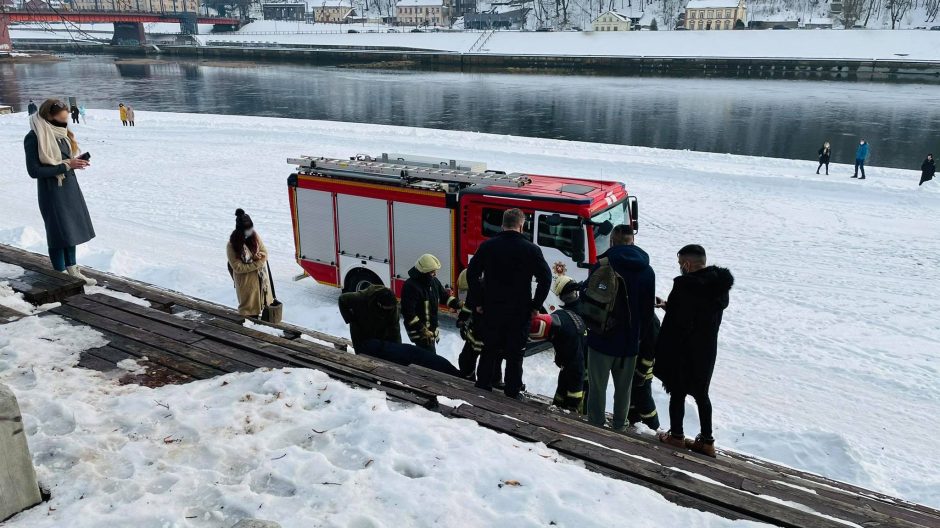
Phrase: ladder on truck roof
x=407 y=172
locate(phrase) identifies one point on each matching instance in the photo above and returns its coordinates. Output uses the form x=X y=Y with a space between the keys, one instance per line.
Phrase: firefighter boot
x=701 y=445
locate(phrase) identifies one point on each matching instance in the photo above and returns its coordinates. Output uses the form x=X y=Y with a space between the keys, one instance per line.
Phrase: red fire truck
x=366 y=220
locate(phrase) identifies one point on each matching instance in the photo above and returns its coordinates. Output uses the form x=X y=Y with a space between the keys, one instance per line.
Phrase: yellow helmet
x=560 y=283
x=462 y=284
x=428 y=263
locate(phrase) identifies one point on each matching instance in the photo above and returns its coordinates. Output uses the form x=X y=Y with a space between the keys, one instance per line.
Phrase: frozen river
x=774 y=118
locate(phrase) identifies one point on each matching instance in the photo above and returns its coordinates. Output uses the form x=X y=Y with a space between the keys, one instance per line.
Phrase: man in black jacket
x=500 y=278
x=688 y=344
x=421 y=295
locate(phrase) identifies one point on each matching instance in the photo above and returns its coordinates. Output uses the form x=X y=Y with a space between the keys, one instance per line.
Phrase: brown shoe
x=674 y=441
x=699 y=445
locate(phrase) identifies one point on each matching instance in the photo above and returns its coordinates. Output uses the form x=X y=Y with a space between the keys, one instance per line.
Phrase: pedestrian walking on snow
x=31 y=108
x=247 y=263
x=824 y=154
x=500 y=279
x=75 y=114
x=52 y=157
x=861 y=156
x=421 y=295
x=927 y=170
x=122 y=111
x=688 y=344
x=130 y=115
x=615 y=324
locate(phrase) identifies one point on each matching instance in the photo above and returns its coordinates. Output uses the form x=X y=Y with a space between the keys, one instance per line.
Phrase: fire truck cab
x=366 y=220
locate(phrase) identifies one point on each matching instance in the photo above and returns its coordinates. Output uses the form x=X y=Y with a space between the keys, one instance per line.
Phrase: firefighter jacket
x=367 y=319
x=420 y=297
x=647 y=355
x=467 y=322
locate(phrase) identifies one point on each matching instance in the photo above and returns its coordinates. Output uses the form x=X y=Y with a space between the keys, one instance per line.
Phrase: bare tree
x=897 y=9
x=932 y=7
x=851 y=12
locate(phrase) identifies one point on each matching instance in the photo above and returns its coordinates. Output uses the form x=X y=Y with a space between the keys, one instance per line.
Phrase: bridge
x=128 y=25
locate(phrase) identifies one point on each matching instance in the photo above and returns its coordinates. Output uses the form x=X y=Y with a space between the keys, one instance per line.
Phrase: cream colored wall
x=719 y=19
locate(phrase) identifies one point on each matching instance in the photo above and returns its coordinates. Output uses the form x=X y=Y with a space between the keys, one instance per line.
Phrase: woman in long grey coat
x=51 y=159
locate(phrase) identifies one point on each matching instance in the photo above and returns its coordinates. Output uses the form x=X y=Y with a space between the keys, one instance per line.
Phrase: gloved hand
x=437 y=335
x=427 y=336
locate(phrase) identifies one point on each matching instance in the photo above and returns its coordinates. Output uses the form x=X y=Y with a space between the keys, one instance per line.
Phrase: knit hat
x=427 y=263
x=242 y=220
x=564 y=285
x=540 y=327
x=462 y=284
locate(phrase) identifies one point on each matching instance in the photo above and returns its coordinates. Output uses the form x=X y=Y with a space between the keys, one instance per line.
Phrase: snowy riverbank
x=828 y=355
x=901 y=45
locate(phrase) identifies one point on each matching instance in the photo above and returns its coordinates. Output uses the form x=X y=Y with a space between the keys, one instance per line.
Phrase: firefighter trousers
x=642 y=405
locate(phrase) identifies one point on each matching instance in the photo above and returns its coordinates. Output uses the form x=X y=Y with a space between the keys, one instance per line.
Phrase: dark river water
x=777 y=118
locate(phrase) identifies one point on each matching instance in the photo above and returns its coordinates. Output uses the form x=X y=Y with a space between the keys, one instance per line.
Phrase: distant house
x=423 y=12
x=332 y=11
x=715 y=14
x=284 y=10
x=612 y=21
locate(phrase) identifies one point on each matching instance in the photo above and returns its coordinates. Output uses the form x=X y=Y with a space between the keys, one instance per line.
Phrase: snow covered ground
x=828 y=355
x=910 y=45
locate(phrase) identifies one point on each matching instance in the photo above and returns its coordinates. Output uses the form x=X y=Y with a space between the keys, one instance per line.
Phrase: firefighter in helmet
x=469 y=322
x=567 y=332
x=642 y=405
x=421 y=295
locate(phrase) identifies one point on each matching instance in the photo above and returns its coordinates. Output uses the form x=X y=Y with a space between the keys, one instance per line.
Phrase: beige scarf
x=48 y=136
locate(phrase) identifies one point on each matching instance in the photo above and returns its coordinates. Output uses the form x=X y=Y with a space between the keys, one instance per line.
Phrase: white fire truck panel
x=315 y=226
x=363 y=227
x=421 y=229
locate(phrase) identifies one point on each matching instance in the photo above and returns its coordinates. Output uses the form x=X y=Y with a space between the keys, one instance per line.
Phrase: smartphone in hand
x=86 y=156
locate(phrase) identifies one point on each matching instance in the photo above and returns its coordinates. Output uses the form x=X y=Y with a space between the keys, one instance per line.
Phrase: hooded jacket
x=862 y=152
x=688 y=340
x=420 y=297
x=367 y=320
x=633 y=266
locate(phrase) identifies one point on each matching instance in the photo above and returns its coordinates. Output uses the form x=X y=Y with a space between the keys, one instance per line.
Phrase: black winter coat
x=420 y=297
x=824 y=154
x=569 y=336
x=927 y=170
x=500 y=275
x=366 y=319
x=688 y=340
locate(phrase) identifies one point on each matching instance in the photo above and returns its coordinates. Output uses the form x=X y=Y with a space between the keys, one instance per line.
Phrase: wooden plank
x=244 y=356
x=143 y=311
x=126 y=318
x=8 y=315
x=91 y=362
x=153 y=340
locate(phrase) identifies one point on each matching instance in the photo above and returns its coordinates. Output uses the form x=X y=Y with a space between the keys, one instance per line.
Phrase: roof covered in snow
x=618 y=16
x=410 y=3
x=331 y=3
x=710 y=4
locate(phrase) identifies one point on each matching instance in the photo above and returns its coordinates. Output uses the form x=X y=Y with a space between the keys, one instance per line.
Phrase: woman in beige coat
x=247 y=262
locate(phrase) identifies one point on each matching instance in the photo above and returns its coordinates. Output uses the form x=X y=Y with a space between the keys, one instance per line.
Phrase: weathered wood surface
x=211 y=340
x=41 y=284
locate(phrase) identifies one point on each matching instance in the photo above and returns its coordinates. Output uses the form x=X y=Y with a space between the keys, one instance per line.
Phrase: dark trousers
x=407 y=355
x=924 y=179
x=75 y=119
x=62 y=258
x=570 y=389
x=642 y=405
x=430 y=346
x=860 y=165
x=505 y=338
x=821 y=163
x=467 y=360
x=677 y=413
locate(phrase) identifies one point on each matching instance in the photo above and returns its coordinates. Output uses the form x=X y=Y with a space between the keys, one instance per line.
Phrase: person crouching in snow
x=247 y=259
x=567 y=333
x=421 y=295
x=372 y=316
x=688 y=344
x=927 y=170
x=52 y=157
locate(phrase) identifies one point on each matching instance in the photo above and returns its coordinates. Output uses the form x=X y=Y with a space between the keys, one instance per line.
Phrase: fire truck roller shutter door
x=363 y=227
x=421 y=229
x=315 y=226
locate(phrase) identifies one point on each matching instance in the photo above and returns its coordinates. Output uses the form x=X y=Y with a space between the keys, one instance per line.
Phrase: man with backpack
x=500 y=279
x=617 y=304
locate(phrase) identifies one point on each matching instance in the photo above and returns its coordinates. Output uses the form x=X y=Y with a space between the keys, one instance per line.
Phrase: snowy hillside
x=827 y=357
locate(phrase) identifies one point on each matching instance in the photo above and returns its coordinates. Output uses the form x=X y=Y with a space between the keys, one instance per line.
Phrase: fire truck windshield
x=616 y=215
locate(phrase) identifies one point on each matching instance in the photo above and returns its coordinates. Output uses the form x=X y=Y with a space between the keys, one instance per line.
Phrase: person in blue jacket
x=861 y=156
x=613 y=354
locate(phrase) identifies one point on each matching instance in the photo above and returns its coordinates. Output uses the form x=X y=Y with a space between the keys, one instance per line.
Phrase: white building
x=423 y=12
x=612 y=21
x=332 y=11
x=715 y=14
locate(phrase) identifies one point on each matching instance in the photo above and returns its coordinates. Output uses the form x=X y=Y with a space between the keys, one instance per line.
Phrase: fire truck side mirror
x=634 y=213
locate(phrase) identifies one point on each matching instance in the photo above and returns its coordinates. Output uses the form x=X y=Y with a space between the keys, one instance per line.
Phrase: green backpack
x=604 y=299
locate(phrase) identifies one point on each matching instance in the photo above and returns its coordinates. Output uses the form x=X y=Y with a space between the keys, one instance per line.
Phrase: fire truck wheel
x=359 y=279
